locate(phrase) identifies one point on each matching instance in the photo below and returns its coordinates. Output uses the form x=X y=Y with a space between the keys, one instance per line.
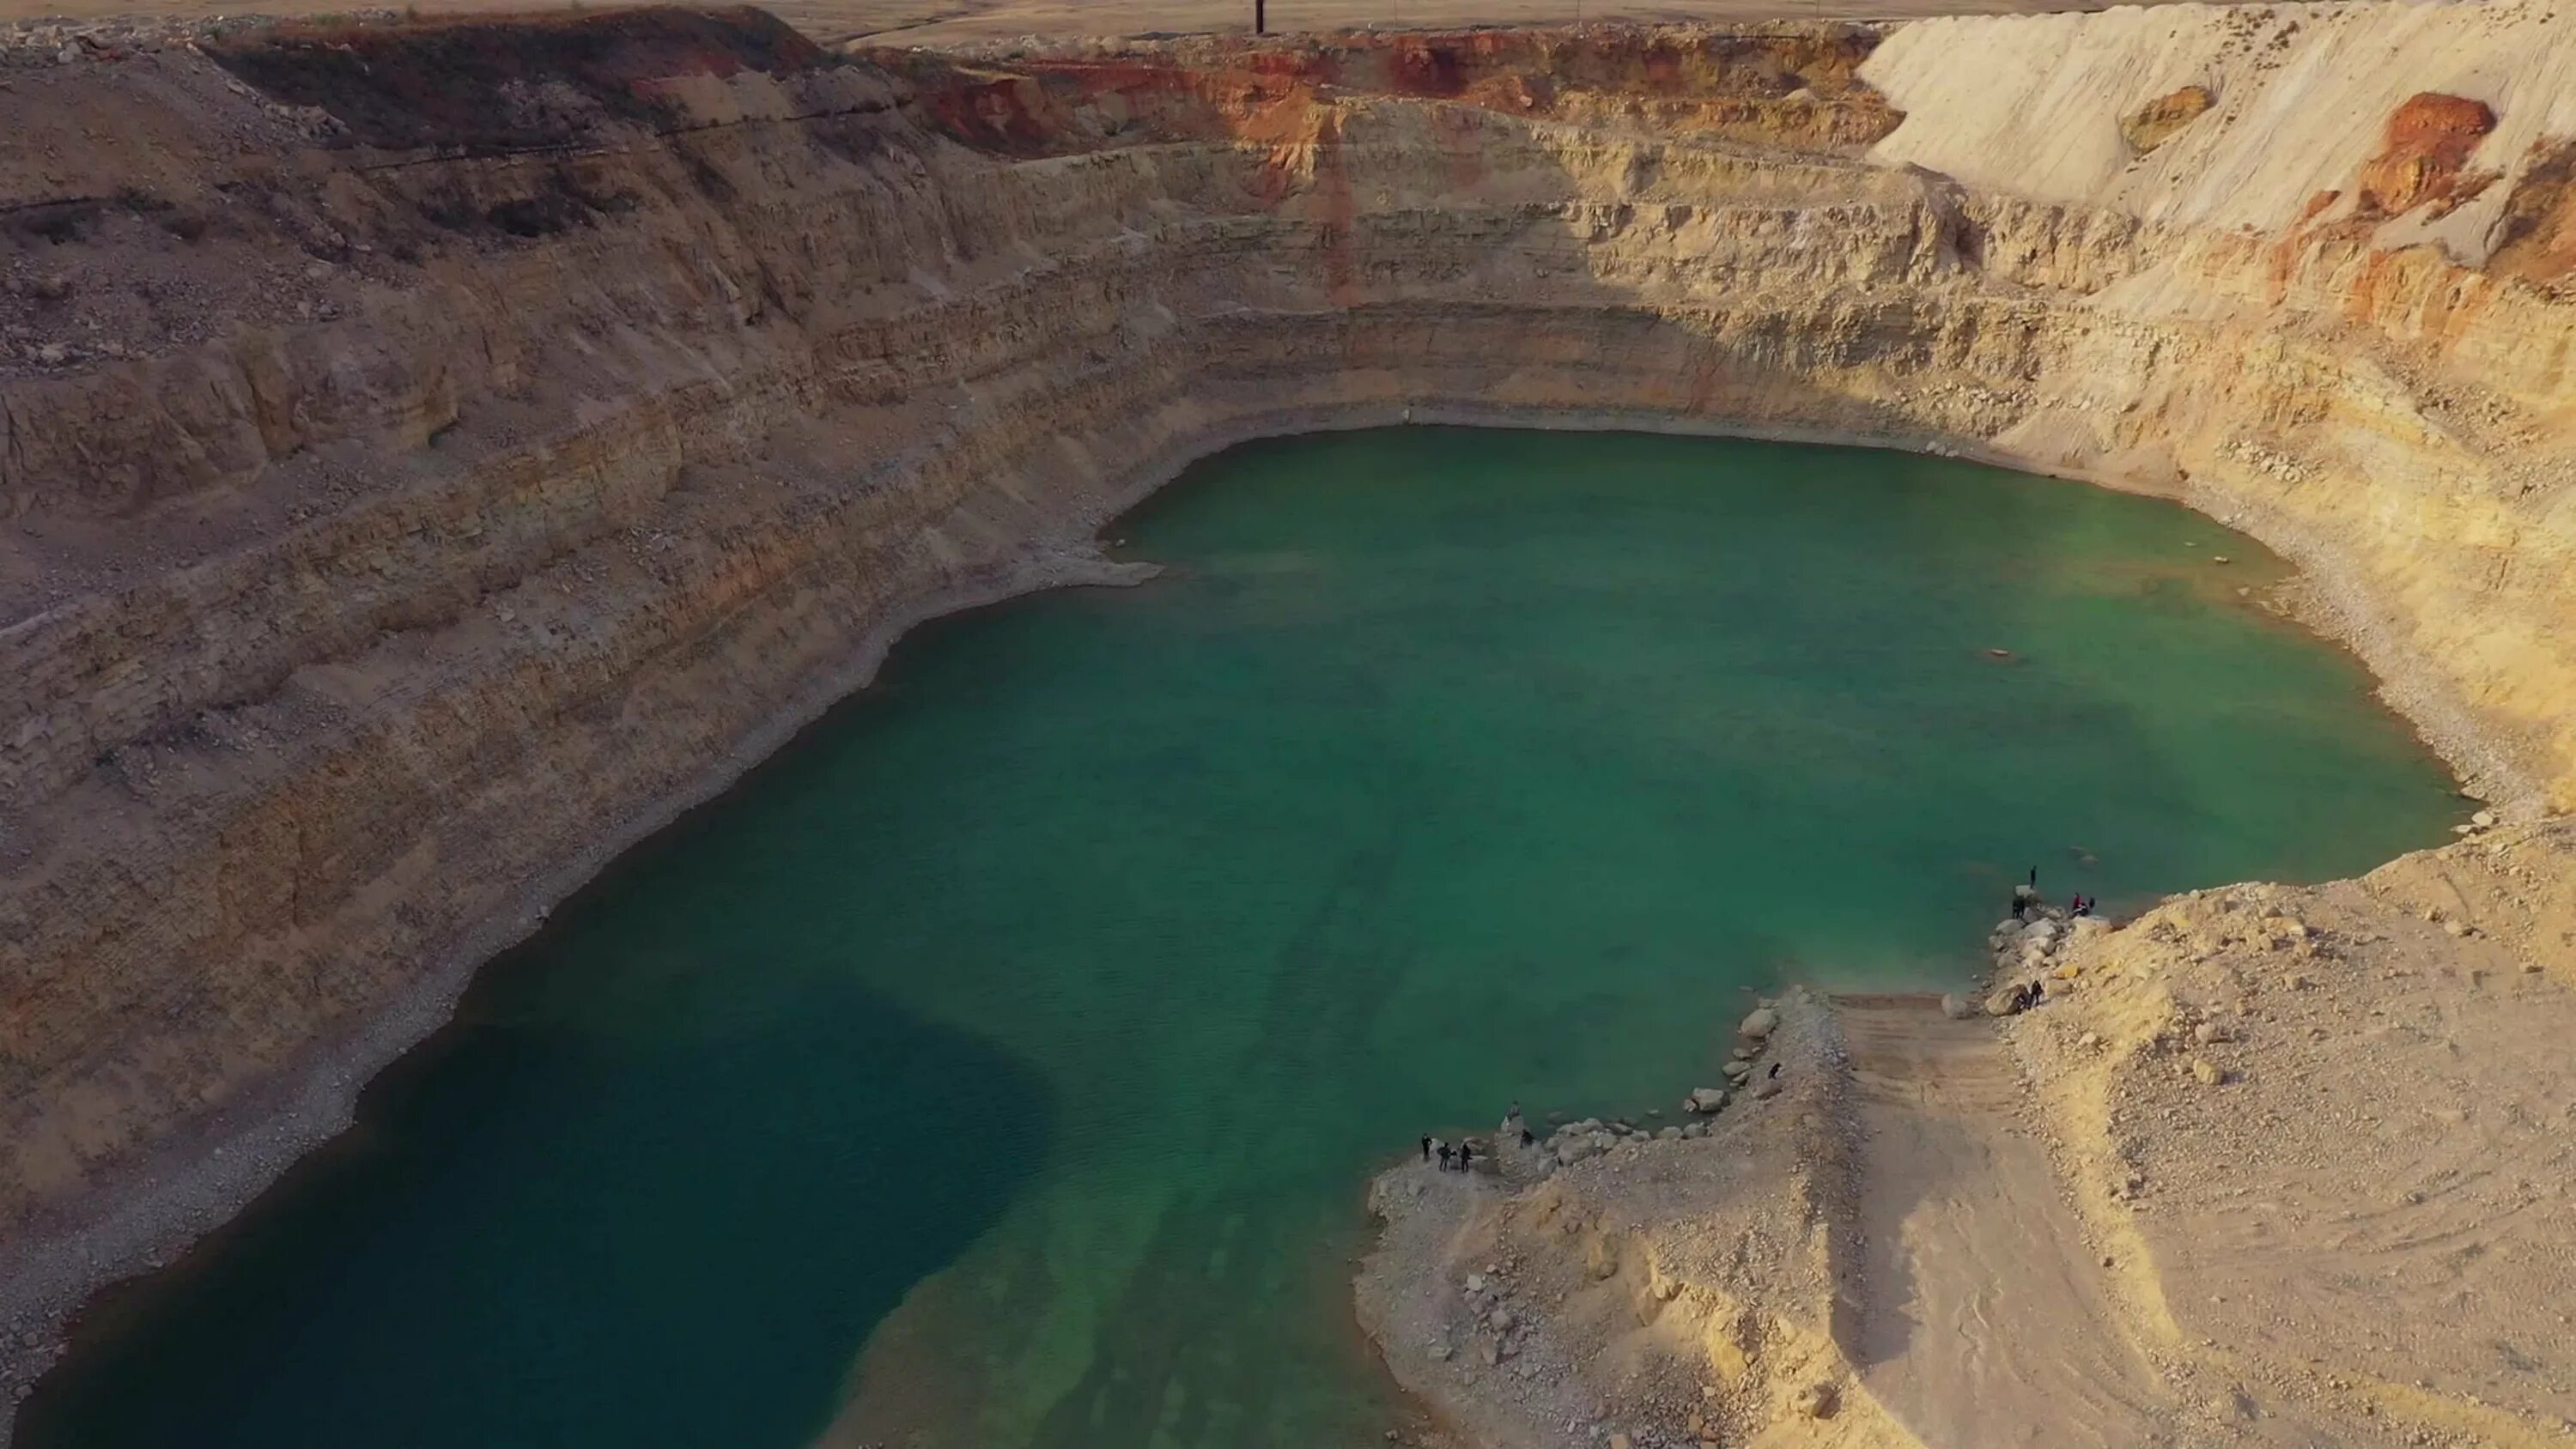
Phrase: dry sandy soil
x=1984 y=1319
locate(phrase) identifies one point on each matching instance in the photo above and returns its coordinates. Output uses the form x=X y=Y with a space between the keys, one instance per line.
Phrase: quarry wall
x=430 y=455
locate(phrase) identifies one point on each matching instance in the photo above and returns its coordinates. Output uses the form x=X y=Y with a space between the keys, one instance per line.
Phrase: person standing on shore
x=1426 y=1147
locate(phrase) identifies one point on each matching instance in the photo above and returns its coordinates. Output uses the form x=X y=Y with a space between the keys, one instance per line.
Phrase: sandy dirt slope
x=2329 y=1129
x=1983 y=1318
x=955 y=22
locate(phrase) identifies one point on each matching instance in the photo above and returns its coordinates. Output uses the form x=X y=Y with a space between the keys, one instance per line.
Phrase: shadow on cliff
x=455 y=82
x=659 y=1222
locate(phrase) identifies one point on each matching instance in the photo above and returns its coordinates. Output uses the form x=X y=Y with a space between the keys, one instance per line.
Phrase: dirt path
x=1982 y=1319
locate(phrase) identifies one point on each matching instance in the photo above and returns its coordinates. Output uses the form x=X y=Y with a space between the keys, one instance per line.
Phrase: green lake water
x=1003 y=1063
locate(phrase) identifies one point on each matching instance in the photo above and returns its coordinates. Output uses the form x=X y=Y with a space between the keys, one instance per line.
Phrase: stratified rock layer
x=432 y=452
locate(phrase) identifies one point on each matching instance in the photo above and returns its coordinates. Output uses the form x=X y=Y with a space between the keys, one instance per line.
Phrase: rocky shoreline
x=1500 y=1298
x=2129 y=1213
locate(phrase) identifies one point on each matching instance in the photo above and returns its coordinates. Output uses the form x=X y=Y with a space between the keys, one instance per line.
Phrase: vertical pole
x=1260 y=17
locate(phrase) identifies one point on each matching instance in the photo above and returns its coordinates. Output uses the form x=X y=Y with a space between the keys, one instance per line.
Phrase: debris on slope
x=2154 y=123
x=2424 y=146
x=2311 y=1121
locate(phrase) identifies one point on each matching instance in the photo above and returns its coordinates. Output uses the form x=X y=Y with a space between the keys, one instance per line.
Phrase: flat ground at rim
x=966 y=22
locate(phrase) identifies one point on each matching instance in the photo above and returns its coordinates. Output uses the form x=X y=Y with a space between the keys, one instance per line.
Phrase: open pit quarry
x=434 y=453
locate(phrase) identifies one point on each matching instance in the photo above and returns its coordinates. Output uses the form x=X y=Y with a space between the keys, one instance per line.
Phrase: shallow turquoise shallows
x=1003 y=1064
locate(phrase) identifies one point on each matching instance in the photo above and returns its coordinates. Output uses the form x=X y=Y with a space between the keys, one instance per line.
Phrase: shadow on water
x=692 y=1220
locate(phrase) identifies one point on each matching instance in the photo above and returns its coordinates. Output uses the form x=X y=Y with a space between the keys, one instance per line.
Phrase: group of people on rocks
x=1461 y=1158
x=2025 y=900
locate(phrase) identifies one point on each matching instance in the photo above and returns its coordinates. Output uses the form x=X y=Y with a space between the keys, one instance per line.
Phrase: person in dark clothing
x=2026 y=897
x=1528 y=1138
x=1775 y=1069
x=1444 y=1157
x=1466 y=1157
x=1426 y=1147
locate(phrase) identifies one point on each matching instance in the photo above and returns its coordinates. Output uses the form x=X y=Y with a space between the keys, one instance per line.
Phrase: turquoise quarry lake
x=1002 y=1064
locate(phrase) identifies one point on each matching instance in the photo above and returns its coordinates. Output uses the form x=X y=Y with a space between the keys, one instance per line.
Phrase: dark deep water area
x=1002 y=1064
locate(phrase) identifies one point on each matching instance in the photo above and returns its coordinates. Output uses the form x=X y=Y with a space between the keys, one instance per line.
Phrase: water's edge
x=192 y=1186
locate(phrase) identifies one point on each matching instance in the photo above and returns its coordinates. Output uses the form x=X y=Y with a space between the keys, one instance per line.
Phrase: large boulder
x=2004 y=1002
x=1759 y=1025
x=2153 y=124
x=1705 y=1099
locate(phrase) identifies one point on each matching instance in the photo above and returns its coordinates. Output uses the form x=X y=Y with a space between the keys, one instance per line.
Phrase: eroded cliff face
x=429 y=454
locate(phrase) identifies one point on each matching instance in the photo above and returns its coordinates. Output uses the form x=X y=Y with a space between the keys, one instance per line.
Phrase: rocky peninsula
x=2212 y=1191
x=434 y=451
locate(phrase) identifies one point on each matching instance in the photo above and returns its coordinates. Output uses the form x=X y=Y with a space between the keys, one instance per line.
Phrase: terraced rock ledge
x=431 y=453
